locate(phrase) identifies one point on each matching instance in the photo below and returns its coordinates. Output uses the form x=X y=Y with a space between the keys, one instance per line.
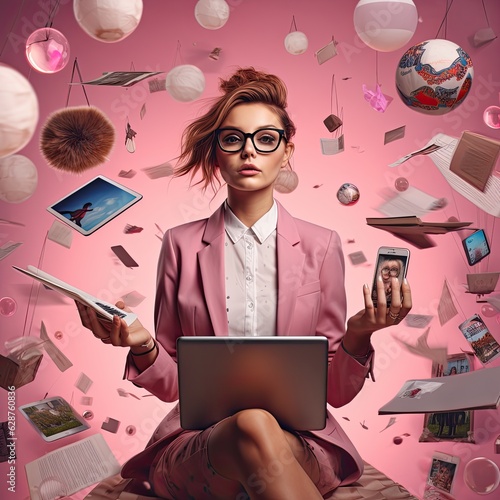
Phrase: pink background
x=254 y=36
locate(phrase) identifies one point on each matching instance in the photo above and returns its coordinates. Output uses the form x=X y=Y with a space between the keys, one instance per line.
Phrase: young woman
x=388 y=270
x=249 y=269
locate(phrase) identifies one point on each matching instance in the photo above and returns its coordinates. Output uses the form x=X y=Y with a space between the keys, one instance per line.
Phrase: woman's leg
x=250 y=447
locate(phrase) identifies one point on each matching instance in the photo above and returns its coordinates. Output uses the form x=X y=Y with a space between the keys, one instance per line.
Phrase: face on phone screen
x=389 y=265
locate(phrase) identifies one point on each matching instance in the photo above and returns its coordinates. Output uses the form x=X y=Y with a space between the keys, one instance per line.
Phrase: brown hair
x=246 y=85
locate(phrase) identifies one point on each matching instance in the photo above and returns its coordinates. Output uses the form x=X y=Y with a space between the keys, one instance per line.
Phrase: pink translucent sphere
x=491 y=117
x=8 y=306
x=47 y=50
x=401 y=184
x=488 y=310
x=482 y=475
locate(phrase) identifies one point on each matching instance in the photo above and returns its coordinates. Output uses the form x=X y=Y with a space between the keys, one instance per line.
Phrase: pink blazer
x=190 y=300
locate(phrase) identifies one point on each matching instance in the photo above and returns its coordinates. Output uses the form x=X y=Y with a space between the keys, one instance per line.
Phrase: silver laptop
x=482 y=283
x=219 y=376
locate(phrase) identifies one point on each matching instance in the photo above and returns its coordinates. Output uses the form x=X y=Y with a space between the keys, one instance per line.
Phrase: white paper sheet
x=71 y=468
x=56 y=355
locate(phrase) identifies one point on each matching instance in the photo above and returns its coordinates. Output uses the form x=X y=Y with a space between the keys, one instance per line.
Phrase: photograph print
x=453 y=425
x=94 y=204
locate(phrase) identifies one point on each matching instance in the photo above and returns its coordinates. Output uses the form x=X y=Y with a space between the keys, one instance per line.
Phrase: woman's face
x=248 y=169
x=390 y=269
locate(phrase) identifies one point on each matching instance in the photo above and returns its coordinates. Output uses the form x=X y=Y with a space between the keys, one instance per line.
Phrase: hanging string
x=75 y=66
x=492 y=238
x=455 y=299
x=177 y=54
x=39 y=265
x=448 y=7
x=333 y=90
x=12 y=27
x=376 y=66
x=52 y=14
x=293 y=26
x=485 y=14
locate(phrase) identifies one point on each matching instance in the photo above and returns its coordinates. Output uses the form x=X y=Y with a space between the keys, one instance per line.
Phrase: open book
x=477 y=390
x=414 y=230
x=441 y=149
x=102 y=308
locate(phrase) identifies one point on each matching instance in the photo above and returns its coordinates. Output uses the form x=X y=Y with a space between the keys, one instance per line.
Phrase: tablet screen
x=53 y=418
x=94 y=204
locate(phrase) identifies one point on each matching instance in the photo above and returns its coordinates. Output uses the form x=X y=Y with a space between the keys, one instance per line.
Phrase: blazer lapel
x=211 y=262
x=290 y=265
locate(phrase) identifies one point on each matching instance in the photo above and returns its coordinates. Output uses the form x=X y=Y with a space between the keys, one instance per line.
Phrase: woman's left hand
x=371 y=318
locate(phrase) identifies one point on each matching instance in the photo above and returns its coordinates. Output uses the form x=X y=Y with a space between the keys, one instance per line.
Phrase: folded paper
x=376 y=99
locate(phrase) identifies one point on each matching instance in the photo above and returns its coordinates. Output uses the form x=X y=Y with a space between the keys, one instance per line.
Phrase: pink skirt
x=183 y=469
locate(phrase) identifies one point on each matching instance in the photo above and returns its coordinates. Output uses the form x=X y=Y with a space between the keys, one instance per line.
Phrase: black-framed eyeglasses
x=393 y=271
x=264 y=140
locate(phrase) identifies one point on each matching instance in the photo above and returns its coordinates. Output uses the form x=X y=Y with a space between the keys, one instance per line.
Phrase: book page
x=474 y=159
x=413 y=201
x=71 y=468
x=487 y=200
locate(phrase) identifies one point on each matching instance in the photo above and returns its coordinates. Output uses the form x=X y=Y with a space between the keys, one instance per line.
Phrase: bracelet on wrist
x=155 y=346
x=357 y=356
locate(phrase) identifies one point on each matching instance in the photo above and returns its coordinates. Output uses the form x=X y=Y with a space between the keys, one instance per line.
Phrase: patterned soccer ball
x=434 y=77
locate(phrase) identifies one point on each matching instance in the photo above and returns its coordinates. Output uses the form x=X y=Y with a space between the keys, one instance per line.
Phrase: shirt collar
x=262 y=229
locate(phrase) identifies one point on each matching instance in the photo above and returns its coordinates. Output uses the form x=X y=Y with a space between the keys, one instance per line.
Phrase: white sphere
x=108 y=20
x=18 y=111
x=212 y=14
x=296 y=43
x=18 y=178
x=385 y=26
x=434 y=77
x=185 y=82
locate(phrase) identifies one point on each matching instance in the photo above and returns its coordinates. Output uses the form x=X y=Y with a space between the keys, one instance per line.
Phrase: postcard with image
x=482 y=342
x=94 y=204
x=452 y=425
x=442 y=472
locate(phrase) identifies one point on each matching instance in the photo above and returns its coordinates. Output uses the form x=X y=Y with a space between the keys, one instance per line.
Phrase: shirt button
x=250 y=305
x=249 y=278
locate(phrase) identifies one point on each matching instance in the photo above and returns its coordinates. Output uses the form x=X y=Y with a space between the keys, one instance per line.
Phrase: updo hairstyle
x=246 y=85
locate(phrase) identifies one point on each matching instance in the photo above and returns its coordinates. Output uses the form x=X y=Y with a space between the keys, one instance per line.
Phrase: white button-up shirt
x=251 y=277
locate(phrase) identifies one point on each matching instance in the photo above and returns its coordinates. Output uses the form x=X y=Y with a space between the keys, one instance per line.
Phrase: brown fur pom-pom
x=77 y=138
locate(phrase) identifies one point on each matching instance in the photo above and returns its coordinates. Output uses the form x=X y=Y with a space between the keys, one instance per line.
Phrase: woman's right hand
x=116 y=332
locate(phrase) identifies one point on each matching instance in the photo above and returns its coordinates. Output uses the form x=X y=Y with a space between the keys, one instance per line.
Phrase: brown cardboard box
x=16 y=374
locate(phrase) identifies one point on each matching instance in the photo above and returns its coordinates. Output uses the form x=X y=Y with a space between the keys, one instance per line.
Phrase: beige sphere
x=212 y=14
x=185 y=82
x=18 y=111
x=286 y=182
x=108 y=20
x=18 y=178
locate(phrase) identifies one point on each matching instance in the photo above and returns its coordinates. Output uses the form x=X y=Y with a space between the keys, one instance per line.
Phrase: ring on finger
x=392 y=315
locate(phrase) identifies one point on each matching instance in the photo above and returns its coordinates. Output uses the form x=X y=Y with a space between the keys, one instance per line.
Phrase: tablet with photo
x=53 y=418
x=94 y=204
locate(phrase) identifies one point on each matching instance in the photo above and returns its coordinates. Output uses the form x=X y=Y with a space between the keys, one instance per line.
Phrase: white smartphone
x=391 y=262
